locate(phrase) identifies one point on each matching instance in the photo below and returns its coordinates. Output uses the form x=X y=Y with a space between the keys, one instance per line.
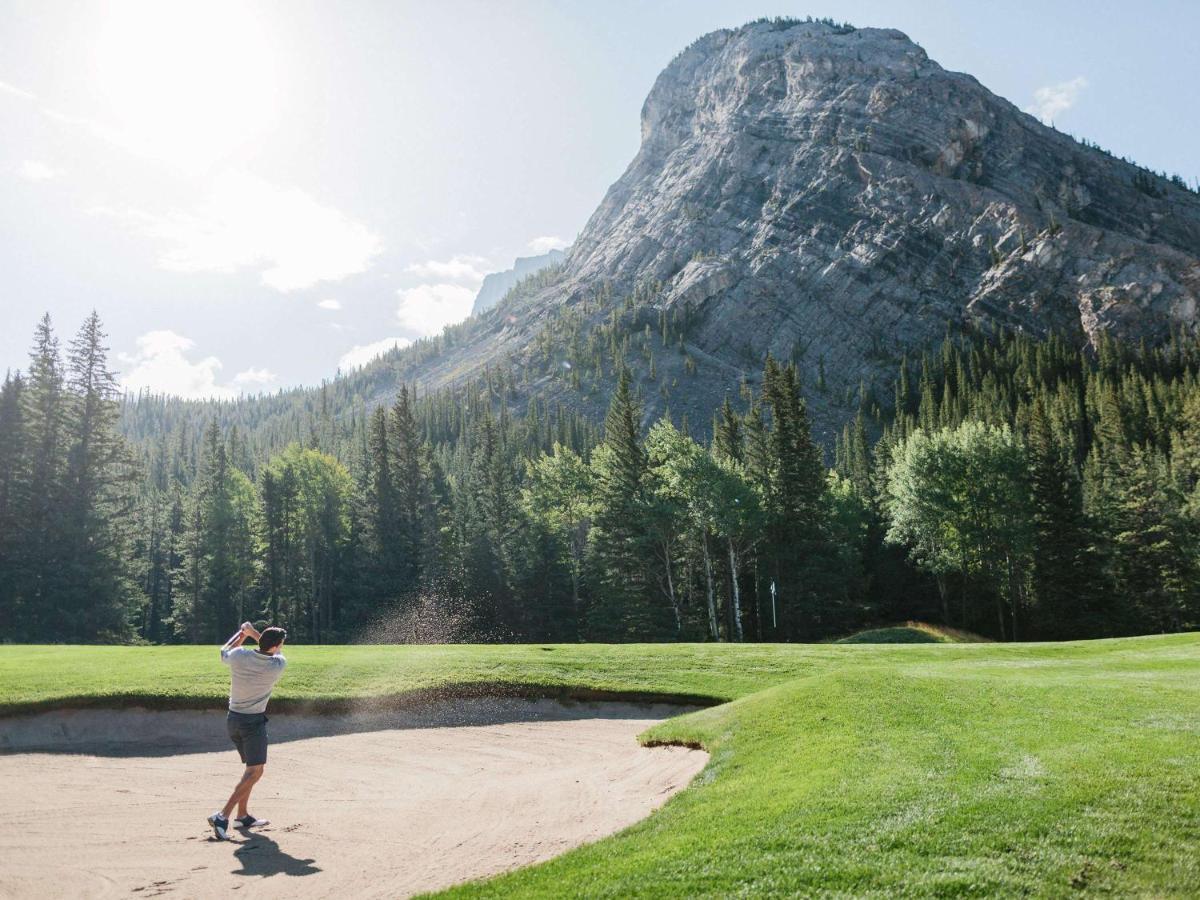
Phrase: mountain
x=496 y=285
x=832 y=195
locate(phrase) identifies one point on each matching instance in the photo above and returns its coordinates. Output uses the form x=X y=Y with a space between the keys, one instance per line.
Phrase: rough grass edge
x=338 y=705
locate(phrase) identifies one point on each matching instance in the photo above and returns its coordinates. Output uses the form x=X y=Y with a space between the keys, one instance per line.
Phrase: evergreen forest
x=1017 y=486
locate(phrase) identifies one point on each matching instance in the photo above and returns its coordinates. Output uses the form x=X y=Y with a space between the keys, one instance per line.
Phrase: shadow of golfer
x=262 y=857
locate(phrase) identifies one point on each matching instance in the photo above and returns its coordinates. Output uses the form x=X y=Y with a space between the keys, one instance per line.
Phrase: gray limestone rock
x=833 y=196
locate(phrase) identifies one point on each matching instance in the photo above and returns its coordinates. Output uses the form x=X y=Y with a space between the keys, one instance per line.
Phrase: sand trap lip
x=381 y=802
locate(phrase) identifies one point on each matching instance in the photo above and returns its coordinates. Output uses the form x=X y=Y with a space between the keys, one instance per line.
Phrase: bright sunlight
x=187 y=85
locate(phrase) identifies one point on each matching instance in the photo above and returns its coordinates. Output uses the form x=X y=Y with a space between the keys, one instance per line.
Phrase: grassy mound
x=939 y=769
x=913 y=633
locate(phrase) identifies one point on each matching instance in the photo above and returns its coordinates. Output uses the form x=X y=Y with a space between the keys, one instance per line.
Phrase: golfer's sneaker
x=220 y=825
x=248 y=821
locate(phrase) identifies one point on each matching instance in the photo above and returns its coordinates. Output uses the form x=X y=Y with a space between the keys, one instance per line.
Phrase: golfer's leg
x=244 y=799
x=249 y=777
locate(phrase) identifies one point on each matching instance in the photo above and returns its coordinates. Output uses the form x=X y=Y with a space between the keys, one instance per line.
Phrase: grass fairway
x=922 y=769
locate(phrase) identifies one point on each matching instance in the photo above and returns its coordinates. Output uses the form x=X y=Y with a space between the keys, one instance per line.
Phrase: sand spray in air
x=424 y=618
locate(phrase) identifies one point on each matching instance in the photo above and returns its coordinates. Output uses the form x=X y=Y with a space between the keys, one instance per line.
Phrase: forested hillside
x=1016 y=486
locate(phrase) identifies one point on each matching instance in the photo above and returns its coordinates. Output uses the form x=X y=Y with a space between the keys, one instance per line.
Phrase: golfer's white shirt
x=254 y=675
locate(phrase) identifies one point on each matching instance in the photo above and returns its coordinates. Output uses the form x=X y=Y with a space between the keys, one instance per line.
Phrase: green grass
x=845 y=770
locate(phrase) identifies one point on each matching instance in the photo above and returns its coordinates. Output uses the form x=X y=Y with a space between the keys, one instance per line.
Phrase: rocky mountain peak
x=840 y=174
x=832 y=196
x=741 y=70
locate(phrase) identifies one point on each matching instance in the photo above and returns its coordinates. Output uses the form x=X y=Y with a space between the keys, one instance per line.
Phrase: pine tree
x=97 y=588
x=621 y=556
x=497 y=502
x=43 y=554
x=727 y=433
x=1154 y=550
x=14 y=477
x=382 y=540
x=410 y=489
x=792 y=510
x=1062 y=588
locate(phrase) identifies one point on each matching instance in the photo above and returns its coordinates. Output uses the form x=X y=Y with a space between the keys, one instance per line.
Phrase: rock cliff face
x=834 y=196
x=496 y=285
x=843 y=187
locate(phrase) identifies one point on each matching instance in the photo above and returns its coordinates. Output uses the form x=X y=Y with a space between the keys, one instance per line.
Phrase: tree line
x=1017 y=486
x=1052 y=488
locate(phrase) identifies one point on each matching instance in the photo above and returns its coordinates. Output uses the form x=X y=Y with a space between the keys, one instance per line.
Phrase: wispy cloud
x=1055 y=99
x=249 y=223
x=361 y=354
x=545 y=244
x=446 y=296
x=14 y=91
x=467 y=270
x=428 y=308
x=36 y=170
x=163 y=364
x=330 y=303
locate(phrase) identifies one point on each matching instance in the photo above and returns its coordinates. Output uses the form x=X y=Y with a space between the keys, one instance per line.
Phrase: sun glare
x=188 y=84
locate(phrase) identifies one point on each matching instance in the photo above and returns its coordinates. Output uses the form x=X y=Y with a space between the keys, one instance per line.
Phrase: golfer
x=254 y=675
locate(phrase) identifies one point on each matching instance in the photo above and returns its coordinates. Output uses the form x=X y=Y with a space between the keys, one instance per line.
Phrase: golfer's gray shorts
x=248 y=731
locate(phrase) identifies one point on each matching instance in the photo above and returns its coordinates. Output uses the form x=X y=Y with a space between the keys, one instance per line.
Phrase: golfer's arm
x=235 y=641
x=252 y=632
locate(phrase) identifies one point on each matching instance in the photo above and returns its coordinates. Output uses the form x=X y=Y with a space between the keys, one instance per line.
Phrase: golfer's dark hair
x=270 y=638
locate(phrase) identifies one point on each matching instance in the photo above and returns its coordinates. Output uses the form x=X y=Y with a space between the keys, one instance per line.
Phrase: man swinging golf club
x=254 y=673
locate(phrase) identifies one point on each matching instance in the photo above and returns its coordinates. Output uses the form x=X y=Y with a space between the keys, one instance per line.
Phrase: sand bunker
x=112 y=803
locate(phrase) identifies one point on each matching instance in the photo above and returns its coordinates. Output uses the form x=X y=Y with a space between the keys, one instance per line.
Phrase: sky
x=255 y=195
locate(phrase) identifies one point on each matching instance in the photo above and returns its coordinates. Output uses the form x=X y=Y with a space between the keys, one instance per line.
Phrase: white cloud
x=161 y=365
x=36 y=170
x=330 y=304
x=361 y=354
x=428 y=308
x=247 y=222
x=468 y=270
x=541 y=245
x=6 y=88
x=254 y=378
x=1054 y=99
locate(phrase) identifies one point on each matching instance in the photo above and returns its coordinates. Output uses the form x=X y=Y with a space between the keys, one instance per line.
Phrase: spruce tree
x=410 y=489
x=1154 y=548
x=498 y=506
x=1062 y=588
x=791 y=501
x=621 y=556
x=382 y=542
x=98 y=591
x=14 y=483
x=40 y=578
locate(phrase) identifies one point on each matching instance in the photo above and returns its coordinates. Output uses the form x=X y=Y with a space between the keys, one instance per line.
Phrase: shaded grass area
x=923 y=769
